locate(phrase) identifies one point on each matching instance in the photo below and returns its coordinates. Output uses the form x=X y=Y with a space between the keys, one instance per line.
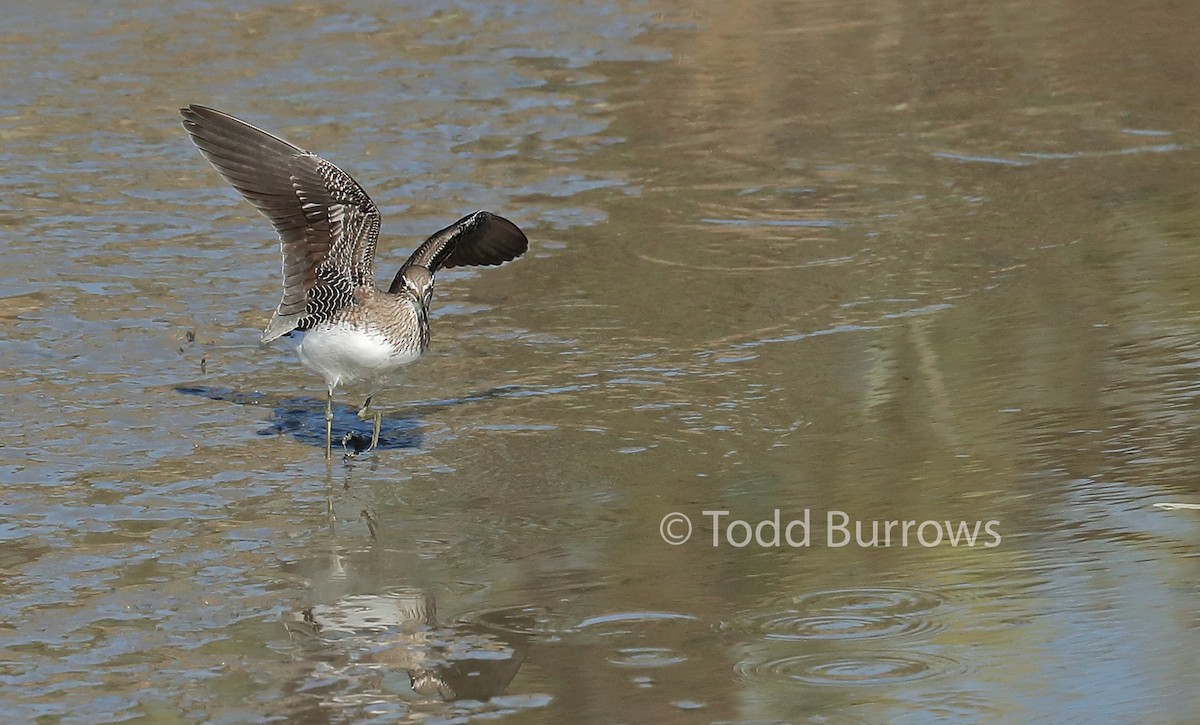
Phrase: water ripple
x=860 y=668
x=897 y=601
x=792 y=625
x=646 y=657
x=528 y=620
x=842 y=614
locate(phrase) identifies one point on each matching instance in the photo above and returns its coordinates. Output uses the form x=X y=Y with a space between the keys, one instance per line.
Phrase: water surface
x=890 y=262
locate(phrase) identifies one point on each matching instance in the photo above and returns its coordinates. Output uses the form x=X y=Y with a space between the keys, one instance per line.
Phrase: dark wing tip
x=479 y=239
x=194 y=112
x=488 y=240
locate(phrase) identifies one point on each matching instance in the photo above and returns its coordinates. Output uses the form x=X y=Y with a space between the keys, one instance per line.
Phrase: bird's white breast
x=343 y=354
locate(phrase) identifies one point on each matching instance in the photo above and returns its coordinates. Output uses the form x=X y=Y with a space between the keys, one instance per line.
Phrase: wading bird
x=352 y=331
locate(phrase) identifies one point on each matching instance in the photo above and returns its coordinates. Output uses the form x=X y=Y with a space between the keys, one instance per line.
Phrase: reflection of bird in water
x=328 y=228
x=398 y=630
x=481 y=669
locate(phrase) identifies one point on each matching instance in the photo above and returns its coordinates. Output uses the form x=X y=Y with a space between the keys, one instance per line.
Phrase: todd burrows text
x=841 y=530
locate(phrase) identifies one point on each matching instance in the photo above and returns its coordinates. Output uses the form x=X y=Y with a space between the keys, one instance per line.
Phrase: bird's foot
x=354 y=444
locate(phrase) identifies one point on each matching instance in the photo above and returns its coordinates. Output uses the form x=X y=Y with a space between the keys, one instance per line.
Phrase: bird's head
x=418 y=282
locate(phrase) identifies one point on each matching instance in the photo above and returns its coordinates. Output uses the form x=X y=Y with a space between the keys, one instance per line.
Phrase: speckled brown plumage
x=328 y=230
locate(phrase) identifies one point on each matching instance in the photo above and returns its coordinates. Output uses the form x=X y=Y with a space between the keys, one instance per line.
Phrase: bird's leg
x=329 y=426
x=375 y=434
x=364 y=413
x=329 y=510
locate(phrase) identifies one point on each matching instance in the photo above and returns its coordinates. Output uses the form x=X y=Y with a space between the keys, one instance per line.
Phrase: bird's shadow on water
x=303 y=418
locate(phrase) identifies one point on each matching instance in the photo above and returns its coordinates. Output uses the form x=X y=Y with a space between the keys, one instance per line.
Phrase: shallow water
x=857 y=262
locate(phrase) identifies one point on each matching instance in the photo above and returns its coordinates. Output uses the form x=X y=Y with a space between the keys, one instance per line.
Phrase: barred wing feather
x=328 y=227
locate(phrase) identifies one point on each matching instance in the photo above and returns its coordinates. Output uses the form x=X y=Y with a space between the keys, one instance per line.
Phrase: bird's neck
x=397 y=285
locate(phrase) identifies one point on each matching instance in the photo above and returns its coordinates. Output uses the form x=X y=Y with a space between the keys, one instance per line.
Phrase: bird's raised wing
x=481 y=238
x=328 y=227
